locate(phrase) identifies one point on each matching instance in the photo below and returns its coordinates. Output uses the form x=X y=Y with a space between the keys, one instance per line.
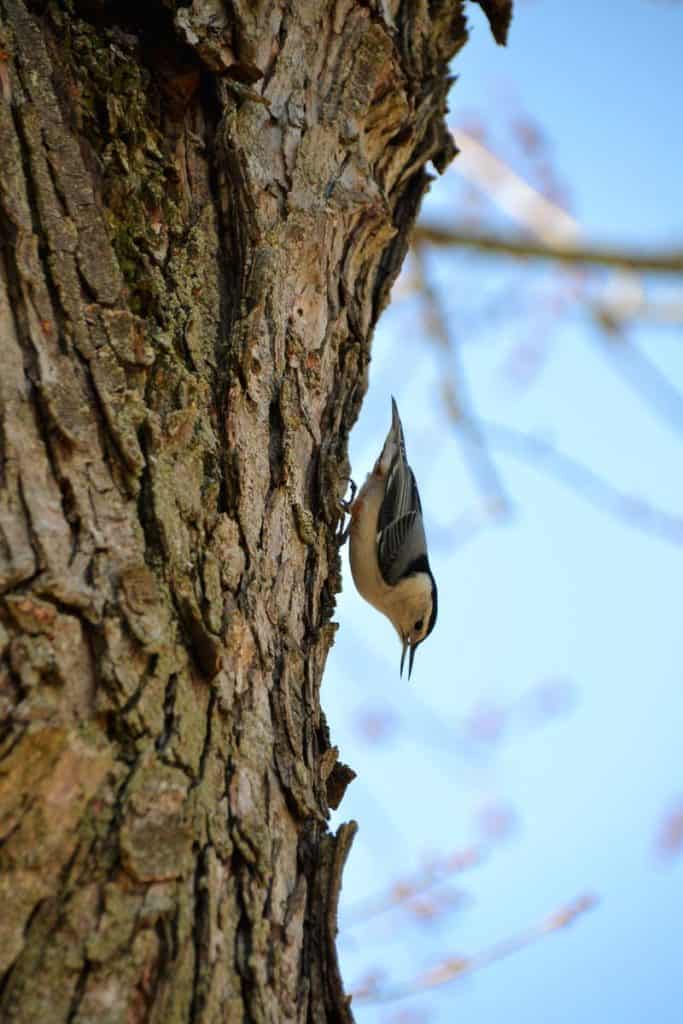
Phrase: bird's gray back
x=401 y=540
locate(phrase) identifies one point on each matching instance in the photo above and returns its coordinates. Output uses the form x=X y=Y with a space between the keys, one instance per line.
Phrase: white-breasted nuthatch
x=388 y=547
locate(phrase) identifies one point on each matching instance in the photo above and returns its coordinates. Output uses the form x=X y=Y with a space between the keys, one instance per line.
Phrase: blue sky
x=563 y=591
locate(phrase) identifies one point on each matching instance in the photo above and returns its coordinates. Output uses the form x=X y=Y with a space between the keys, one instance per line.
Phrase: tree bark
x=202 y=210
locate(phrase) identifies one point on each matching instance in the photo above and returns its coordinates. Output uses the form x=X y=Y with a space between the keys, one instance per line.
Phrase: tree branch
x=542 y=455
x=454 y=967
x=662 y=262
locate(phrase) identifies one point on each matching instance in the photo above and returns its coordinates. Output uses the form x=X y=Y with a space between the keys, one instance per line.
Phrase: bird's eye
x=419 y=624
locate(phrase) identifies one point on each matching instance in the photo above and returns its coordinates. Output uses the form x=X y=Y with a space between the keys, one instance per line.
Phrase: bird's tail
x=397 y=428
x=394 y=445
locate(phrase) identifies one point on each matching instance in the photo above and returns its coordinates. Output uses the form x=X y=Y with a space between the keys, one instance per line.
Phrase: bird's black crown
x=421 y=564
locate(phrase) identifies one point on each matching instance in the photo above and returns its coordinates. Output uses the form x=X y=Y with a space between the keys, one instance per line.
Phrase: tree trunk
x=202 y=210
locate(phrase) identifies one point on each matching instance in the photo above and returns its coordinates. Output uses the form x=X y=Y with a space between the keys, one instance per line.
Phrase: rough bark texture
x=203 y=207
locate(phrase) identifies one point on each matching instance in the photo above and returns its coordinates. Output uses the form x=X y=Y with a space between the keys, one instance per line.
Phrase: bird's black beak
x=408 y=646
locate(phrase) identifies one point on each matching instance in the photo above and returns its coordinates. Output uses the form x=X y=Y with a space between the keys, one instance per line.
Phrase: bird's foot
x=345 y=506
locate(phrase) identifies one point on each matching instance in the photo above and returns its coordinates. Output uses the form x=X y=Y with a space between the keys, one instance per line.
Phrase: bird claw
x=345 y=506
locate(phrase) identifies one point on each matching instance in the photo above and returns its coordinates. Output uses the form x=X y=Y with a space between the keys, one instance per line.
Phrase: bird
x=388 y=545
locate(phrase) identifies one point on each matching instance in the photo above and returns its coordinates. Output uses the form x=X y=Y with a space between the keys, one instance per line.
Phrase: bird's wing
x=400 y=533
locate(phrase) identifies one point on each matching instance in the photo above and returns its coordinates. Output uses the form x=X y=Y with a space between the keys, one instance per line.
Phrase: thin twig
x=458 y=401
x=646 y=380
x=403 y=892
x=615 y=315
x=546 y=219
x=455 y=967
x=543 y=456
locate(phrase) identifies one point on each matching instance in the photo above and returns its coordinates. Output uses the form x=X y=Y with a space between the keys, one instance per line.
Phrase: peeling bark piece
x=340 y=778
x=499 y=14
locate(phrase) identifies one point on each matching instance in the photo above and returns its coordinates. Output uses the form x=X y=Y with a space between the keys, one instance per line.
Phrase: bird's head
x=413 y=612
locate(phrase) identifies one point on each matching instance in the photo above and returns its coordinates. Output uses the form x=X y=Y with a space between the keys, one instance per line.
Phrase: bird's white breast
x=363 y=544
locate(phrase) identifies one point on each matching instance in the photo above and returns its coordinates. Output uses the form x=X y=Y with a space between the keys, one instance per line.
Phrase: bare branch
x=646 y=380
x=612 y=316
x=455 y=391
x=521 y=248
x=403 y=892
x=455 y=967
x=544 y=456
x=516 y=197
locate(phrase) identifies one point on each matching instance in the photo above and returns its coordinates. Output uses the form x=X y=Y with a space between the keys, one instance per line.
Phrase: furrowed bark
x=202 y=211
